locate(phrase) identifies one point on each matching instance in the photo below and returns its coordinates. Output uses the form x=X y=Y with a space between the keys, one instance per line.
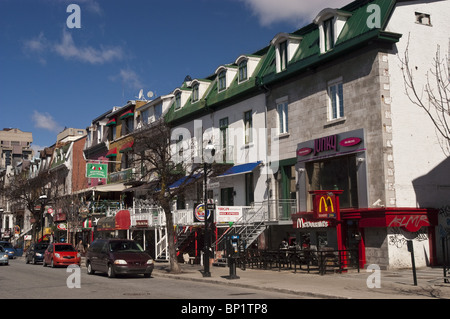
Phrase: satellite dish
x=150 y=94
x=141 y=94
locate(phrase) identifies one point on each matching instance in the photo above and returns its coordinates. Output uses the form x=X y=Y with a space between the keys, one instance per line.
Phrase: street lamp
x=208 y=158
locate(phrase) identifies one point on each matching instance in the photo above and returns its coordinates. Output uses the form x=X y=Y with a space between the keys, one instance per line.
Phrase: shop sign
x=302 y=223
x=226 y=214
x=96 y=170
x=324 y=144
x=142 y=223
x=411 y=223
x=62 y=226
x=199 y=213
x=333 y=145
x=326 y=205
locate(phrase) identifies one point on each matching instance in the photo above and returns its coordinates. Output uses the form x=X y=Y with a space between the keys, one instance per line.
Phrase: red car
x=61 y=255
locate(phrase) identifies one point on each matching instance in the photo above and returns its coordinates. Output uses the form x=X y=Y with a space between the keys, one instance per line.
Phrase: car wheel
x=34 y=261
x=90 y=271
x=26 y=260
x=147 y=275
x=111 y=272
x=52 y=264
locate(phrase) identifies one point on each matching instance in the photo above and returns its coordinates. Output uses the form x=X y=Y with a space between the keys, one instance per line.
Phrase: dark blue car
x=35 y=253
x=8 y=247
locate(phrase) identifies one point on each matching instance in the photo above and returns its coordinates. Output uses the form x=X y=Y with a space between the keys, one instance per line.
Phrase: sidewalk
x=395 y=284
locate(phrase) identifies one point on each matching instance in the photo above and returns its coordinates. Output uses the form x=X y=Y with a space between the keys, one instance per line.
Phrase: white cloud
x=129 y=78
x=67 y=49
x=293 y=11
x=45 y=121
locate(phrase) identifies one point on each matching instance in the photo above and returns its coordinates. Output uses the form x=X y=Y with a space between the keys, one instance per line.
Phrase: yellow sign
x=325 y=201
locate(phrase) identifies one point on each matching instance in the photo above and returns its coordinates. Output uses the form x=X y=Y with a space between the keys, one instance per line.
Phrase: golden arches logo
x=326 y=201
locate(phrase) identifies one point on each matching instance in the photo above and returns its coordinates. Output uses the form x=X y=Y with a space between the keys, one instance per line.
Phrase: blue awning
x=241 y=169
x=185 y=180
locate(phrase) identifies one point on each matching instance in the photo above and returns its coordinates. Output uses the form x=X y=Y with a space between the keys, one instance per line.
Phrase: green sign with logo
x=96 y=170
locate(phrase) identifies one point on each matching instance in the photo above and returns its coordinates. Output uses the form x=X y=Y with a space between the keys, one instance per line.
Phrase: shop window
x=332 y=174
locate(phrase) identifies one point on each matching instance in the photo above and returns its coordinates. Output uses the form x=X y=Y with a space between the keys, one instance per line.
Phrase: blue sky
x=52 y=76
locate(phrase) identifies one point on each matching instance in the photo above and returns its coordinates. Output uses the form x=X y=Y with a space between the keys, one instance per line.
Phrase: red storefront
x=336 y=179
x=351 y=224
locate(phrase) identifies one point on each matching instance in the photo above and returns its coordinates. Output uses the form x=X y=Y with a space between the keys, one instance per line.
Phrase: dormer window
x=177 y=100
x=243 y=71
x=195 y=93
x=283 y=52
x=286 y=45
x=330 y=22
x=222 y=79
x=328 y=32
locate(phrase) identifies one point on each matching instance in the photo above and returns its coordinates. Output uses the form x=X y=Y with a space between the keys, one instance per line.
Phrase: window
x=128 y=125
x=158 y=111
x=283 y=55
x=282 y=110
x=328 y=34
x=177 y=101
x=423 y=18
x=195 y=93
x=248 y=127
x=243 y=71
x=336 y=101
x=222 y=81
x=223 y=125
x=335 y=173
x=112 y=133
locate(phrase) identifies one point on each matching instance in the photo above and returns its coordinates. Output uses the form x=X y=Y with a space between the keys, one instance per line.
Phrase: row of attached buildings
x=326 y=149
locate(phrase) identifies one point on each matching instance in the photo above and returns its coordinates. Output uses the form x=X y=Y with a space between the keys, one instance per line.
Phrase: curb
x=158 y=273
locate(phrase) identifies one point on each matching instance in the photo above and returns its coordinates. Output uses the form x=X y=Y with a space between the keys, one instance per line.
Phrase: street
x=27 y=281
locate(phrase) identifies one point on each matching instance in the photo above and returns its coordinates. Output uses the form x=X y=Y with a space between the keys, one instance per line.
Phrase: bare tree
x=434 y=97
x=25 y=191
x=167 y=163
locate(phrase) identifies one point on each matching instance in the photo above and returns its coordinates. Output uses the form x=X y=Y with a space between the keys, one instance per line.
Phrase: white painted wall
x=416 y=150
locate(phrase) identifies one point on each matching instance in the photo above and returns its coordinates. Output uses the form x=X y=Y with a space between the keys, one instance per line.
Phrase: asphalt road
x=27 y=281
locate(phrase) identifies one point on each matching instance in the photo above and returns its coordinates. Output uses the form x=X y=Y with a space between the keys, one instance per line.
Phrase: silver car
x=4 y=259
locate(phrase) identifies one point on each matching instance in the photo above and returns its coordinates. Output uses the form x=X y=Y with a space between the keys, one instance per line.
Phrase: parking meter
x=233 y=246
x=233 y=252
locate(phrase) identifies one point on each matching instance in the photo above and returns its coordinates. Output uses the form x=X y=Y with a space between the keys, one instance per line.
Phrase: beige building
x=15 y=145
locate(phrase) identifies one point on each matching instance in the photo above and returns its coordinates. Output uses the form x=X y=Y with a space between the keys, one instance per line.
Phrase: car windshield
x=1 y=249
x=64 y=248
x=41 y=246
x=6 y=245
x=125 y=246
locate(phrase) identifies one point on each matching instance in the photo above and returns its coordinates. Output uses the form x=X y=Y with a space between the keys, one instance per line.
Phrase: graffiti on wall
x=400 y=237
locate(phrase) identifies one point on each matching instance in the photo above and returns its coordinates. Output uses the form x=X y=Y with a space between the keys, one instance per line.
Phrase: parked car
x=9 y=248
x=4 y=259
x=118 y=256
x=35 y=253
x=61 y=254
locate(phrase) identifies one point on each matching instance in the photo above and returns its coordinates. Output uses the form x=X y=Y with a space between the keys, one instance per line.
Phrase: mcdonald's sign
x=326 y=204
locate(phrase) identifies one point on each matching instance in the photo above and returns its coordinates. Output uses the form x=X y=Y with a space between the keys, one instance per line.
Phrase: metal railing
x=322 y=261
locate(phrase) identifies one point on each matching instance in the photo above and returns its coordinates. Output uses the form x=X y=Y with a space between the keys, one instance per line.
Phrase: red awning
x=127 y=114
x=126 y=147
x=123 y=221
x=111 y=122
x=112 y=152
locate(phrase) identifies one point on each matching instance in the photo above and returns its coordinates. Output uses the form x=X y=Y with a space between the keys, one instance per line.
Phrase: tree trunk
x=174 y=267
